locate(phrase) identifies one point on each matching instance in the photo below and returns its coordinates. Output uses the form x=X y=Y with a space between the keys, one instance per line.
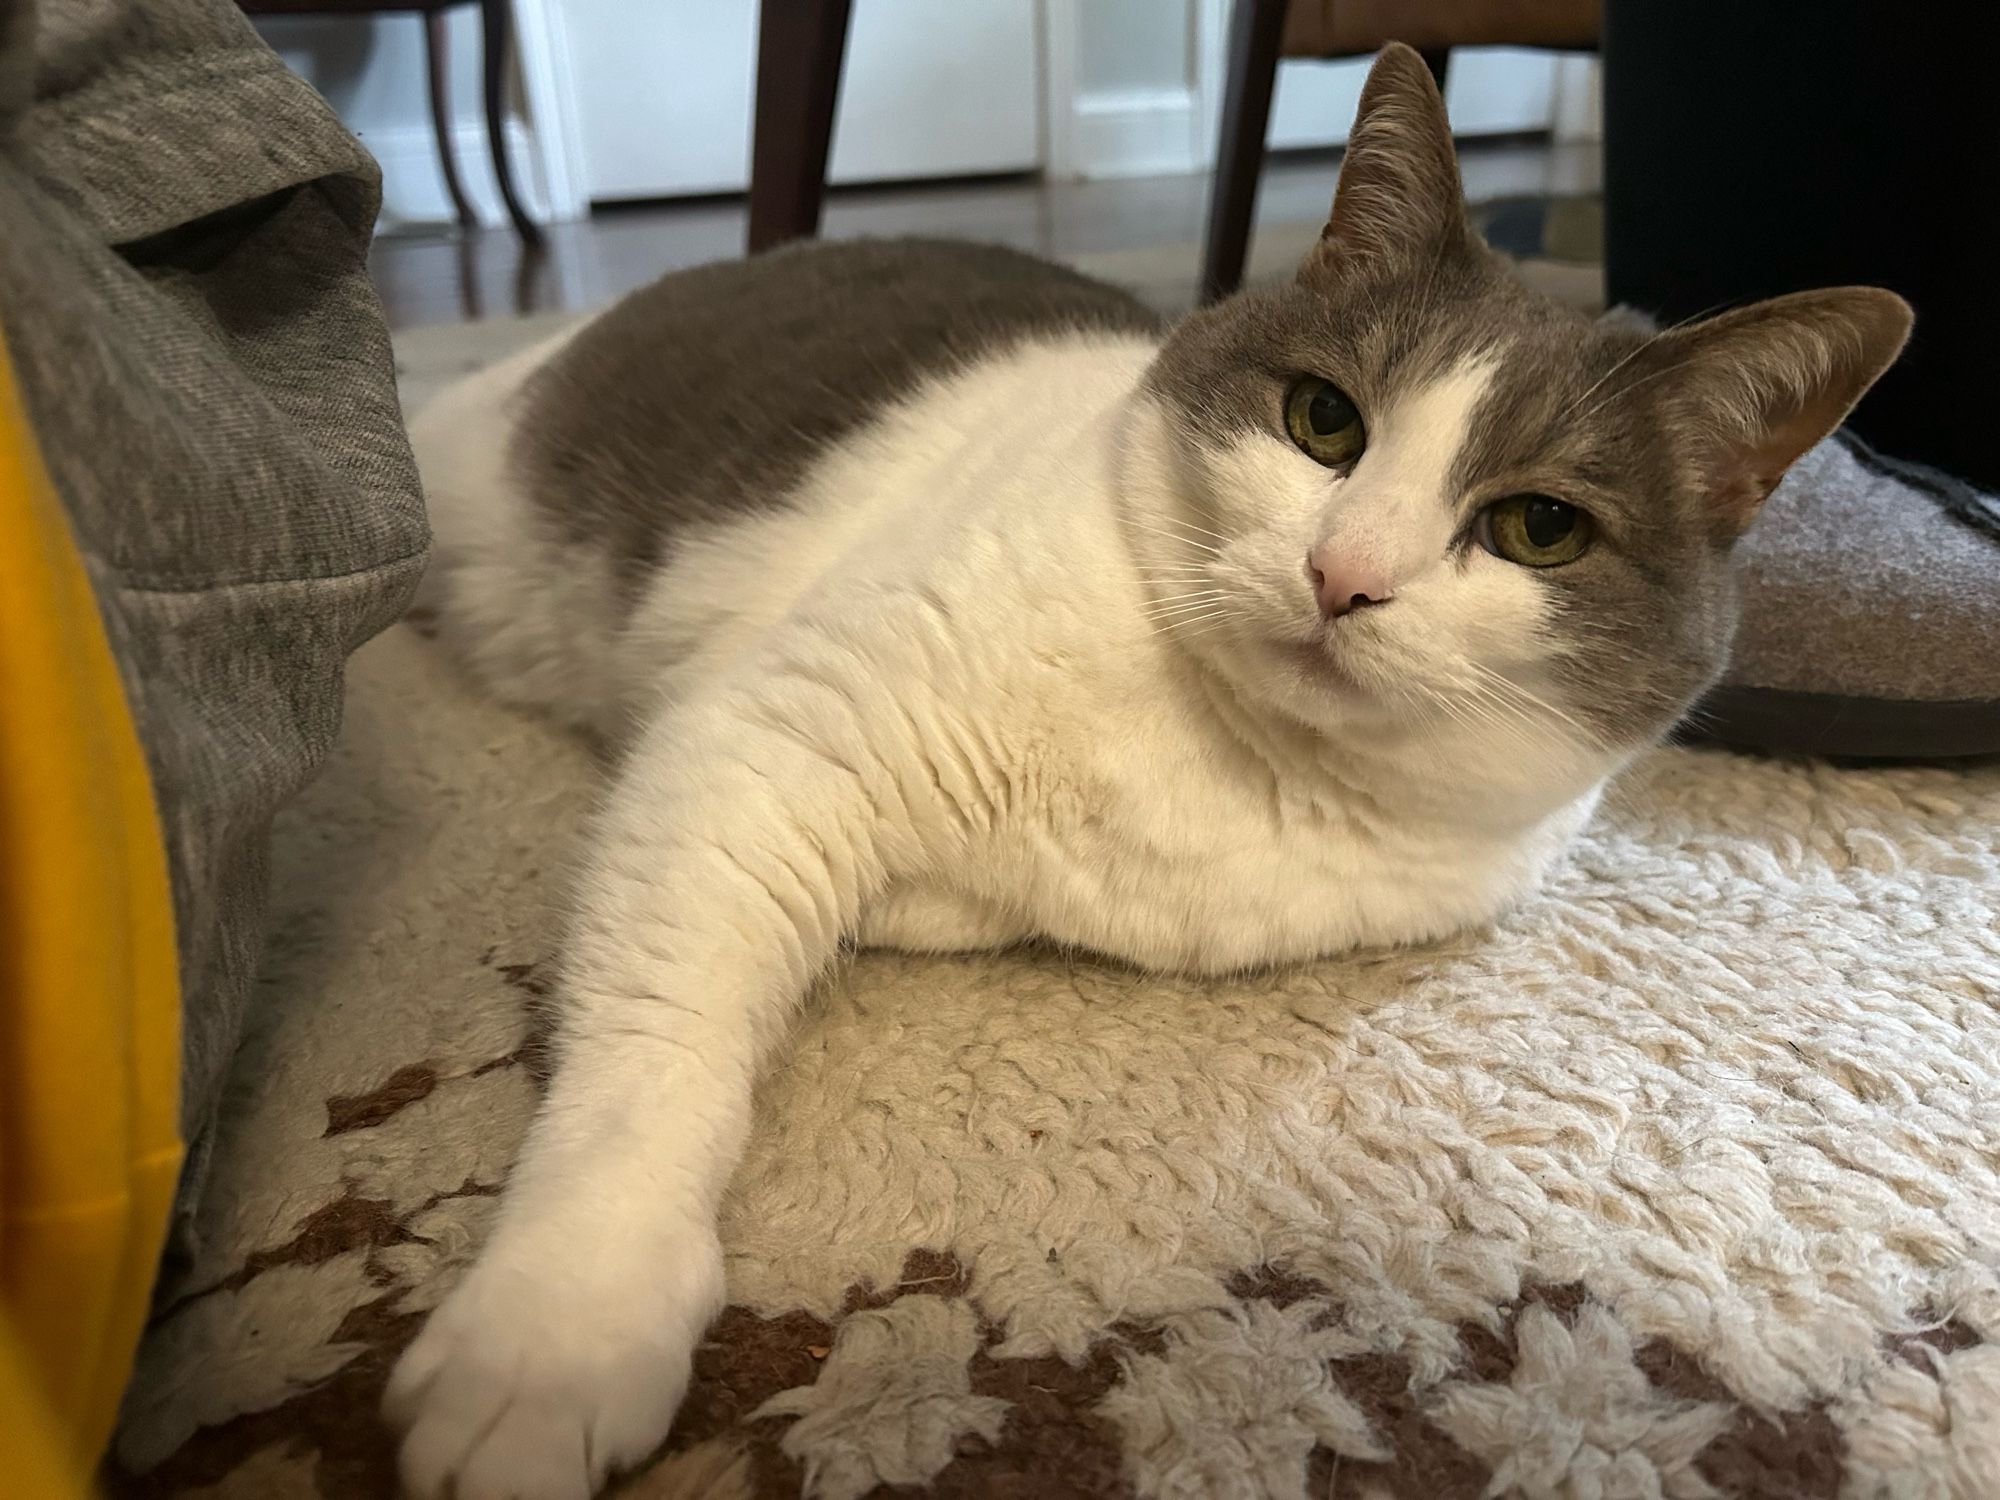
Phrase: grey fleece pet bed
x=1871 y=615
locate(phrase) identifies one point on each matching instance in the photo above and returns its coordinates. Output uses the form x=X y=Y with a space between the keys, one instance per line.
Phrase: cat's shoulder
x=824 y=328
x=712 y=392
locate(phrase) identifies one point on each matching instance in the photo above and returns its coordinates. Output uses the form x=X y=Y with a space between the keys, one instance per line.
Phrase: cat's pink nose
x=1343 y=587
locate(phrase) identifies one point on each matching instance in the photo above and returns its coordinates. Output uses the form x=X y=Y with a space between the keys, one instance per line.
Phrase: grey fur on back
x=711 y=391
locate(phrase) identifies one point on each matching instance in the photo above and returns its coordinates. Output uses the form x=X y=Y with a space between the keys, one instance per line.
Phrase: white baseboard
x=1149 y=133
x=413 y=190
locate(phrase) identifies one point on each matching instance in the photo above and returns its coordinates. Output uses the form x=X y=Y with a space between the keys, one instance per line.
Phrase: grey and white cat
x=935 y=597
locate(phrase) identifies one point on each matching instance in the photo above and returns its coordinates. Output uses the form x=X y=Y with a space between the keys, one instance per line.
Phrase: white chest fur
x=965 y=572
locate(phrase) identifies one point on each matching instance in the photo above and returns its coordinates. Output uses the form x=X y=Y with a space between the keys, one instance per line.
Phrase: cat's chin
x=1320 y=661
x=1313 y=679
x=1341 y=657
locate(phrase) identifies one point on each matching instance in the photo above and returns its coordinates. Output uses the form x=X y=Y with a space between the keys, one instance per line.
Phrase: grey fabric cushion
x=1871 y=618
x=183 y=233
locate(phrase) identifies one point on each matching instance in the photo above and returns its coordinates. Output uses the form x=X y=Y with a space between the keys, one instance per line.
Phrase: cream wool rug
x=1682 y=1181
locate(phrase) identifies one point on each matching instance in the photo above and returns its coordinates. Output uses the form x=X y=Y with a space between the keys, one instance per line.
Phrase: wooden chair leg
x=437 y=47
x=496 y=32
x=799 y=48
x=1255 y=27
x=471 y=294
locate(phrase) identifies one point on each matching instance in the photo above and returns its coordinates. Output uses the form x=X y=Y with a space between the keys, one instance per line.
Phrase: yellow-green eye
x=1534 y=531
x=1324 y=422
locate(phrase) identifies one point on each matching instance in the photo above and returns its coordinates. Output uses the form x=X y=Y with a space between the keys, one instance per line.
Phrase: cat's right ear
x=1399 y=200
x=1752 y=389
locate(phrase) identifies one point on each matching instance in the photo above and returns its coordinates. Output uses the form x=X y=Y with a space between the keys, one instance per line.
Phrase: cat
x=938 y=598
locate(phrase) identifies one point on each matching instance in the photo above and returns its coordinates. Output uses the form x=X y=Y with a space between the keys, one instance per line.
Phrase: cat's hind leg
x=534 y=616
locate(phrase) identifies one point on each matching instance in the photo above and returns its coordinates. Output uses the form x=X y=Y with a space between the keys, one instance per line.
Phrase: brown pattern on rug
x=1942 y=1335
x=535 y=1056
x=1799 y=1456
x=338 y=1424
x=1054 y=1446
x=405 y=1086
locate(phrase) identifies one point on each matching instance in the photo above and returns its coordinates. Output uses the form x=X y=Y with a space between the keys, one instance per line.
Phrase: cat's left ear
x=1399 y=200
x=1751 y=390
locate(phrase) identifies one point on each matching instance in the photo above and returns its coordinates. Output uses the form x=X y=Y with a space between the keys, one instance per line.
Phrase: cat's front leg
x=739 y=844
x=933 y=919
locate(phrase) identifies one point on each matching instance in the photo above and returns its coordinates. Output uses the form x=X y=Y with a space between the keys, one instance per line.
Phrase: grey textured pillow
x=183 y=238
x=1871 y=616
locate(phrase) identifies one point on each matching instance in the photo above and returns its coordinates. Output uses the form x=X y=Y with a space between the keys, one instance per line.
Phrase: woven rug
x=1682 y=1181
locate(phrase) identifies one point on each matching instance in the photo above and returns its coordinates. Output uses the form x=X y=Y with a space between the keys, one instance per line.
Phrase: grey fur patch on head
x=709 y=393
x=1668 y=440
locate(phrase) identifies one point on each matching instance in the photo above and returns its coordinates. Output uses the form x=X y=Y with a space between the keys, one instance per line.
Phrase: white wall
x=1134 y=88
x=1125 y=45
x=1123 y=86
x=930 y=88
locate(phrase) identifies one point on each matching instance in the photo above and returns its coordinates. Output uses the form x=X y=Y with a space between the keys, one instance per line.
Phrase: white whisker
x=1627 y=359
x=1178 y=610
x=1192 y=596
x=1185 y=541
x=1210 y=623
x=1494 y=682
x=1627 y=389
x=1190 y=526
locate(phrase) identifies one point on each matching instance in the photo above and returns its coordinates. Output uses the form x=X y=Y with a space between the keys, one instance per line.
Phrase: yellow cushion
x=89 y=1000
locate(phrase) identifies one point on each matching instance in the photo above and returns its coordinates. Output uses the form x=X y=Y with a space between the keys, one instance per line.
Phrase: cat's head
x=1407 y=491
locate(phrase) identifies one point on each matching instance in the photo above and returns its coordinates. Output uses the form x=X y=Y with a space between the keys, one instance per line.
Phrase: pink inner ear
x=1742 y=482
x=1767 y=381
x=1749 y=471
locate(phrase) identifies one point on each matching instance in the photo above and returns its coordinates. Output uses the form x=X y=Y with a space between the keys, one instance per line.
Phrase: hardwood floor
x=434 y=274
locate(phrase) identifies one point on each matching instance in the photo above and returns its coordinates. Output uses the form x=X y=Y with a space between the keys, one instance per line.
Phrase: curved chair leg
x=1255 y=27
x=437 y=46
x=496 y=29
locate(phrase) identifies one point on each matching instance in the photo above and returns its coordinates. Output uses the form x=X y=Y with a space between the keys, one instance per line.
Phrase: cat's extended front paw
x=536 y=1381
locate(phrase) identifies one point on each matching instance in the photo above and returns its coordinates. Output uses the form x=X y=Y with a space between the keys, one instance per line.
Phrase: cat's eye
x=1324 y=422
x=1534 y=531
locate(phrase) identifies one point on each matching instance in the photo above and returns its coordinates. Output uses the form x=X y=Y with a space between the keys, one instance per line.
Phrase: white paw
x=543 y=1373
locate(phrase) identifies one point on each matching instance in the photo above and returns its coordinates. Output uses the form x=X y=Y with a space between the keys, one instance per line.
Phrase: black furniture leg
x=800 y=44
x=496 y=28
x=1255 y=27
x=437 y=47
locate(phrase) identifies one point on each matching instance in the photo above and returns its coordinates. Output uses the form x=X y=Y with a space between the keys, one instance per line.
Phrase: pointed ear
x=1399 y=197
x=1756 y=387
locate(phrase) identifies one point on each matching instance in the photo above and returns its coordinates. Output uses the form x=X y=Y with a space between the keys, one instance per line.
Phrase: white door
x=663 y=93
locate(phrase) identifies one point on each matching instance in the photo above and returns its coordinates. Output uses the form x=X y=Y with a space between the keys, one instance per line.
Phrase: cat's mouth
x=1323 y=656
